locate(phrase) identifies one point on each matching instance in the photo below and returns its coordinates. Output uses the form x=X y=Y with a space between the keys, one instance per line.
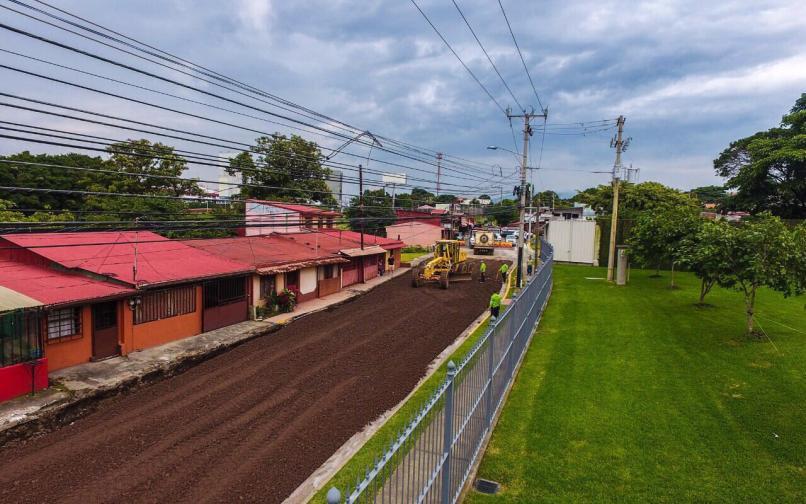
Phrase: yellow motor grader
x=448 y=264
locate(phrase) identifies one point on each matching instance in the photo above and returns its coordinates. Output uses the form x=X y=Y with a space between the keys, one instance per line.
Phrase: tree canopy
x=283 y=168
x=376 y=214
x=634 y=198
x=768 y=168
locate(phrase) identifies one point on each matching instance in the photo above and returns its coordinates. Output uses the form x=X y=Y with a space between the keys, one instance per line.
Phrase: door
x=105 y=330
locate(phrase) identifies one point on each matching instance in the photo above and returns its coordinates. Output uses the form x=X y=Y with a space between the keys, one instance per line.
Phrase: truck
x=483 y=242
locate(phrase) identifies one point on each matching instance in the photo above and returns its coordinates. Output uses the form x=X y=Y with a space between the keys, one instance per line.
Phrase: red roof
x=266 y=253
x=369 y=239
x=52 y=287
x=322 y=242
x=112 y=254
x=303 y=209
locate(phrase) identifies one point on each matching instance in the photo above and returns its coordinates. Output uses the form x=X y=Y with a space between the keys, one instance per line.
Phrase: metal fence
x=432 y=458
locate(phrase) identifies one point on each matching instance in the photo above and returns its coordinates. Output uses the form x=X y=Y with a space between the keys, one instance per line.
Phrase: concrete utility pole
x=618 y=143
x=439 y=169
x=527 y=132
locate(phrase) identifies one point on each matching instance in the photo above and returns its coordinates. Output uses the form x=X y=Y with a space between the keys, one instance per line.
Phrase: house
x=392 y=246
x=363 y=263
x=22 y=368
x=279 y=264
x=411 y=232
x=112 y=293
x=266 y=217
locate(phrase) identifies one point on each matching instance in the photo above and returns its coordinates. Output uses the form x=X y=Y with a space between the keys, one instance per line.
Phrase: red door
x=349 y=273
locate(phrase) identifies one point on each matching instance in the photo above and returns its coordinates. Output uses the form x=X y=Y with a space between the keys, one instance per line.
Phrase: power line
x=520 y=54
x=487 y=54
x=459 y=58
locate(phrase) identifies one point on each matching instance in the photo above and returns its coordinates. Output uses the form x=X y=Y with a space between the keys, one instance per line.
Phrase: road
x=253 y=423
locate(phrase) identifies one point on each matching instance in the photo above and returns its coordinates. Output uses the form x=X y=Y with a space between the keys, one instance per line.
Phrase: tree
x=49 y=175
x=706 y=254
x=283 y=168
x=417 y=197
x=376 y=214
x=548 y=198
x=768 y=169
x=761 y=252
x=710 y=194
x=503 y=212
x=662 y=234
x=151 y=169
x=446 y=198
x=634 y=198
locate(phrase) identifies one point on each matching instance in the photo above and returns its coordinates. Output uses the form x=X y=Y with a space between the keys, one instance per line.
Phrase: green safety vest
x=483 y=267
x=504 y=268
x=495 y=300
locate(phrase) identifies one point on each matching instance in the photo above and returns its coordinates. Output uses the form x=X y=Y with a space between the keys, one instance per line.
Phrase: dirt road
x=253 y=423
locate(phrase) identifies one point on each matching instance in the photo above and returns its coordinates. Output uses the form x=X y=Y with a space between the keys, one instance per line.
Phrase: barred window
x=20 y=337
x=64 y=324
x=165 y=304
x=329 y=270
x=224 y=291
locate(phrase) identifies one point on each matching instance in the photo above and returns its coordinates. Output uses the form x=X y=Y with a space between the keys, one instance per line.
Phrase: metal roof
x=52 y=287
x=303 y=209
x=115 y=254
x=13 y=300
x=269 y=254
x=386 y=243
x=323 y=242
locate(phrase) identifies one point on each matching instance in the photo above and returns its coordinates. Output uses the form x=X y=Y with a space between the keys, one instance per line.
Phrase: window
x=330 y=222
x=292 y=279
x=165 y=304
x=308 y=222
x=328 y=271
x=267 y=286
x=64 y=324
x=319 y=222
x=20 y=337
x=224 y=291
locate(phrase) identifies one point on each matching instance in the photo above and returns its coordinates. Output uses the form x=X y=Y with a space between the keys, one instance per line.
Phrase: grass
x=634 y=394
x=381 y=439
x=407 y=257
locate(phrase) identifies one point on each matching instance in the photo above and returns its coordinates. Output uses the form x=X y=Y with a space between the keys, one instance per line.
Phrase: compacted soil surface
x=253 y=423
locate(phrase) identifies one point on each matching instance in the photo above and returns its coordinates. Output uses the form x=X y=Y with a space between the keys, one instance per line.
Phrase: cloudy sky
x=688 y=76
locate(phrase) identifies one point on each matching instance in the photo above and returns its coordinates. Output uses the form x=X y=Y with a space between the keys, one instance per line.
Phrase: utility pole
x=527 y=132
x=439 y=169
x=618 y=143
x=361 y=201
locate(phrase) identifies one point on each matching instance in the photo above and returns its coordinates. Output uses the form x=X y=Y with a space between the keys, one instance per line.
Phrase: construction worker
x=503 y=271
x=495 y=305
x=482 y=271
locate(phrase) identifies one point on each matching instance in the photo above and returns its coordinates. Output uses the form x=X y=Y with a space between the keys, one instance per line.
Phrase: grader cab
x=448 y=264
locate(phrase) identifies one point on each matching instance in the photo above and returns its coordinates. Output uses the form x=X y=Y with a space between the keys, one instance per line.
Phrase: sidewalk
x=73 y=387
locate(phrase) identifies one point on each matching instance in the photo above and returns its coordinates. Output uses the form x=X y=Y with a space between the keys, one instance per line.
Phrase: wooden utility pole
x=618 y=143
x=527 y=132
x=361 y=201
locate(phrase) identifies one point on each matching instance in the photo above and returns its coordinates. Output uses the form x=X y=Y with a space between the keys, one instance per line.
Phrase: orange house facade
x=110 y=294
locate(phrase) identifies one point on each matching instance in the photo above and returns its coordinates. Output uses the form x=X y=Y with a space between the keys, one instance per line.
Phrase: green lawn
x=409 y=256
x=634 y=394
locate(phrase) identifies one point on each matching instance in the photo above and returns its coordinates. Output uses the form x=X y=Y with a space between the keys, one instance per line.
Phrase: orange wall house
x=137 y=336
x=70 y=350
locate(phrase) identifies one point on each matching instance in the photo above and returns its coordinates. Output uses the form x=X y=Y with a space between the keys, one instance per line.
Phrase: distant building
x=335 y=182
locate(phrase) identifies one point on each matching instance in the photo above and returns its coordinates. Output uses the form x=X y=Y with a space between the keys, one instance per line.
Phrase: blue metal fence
x=430 y=461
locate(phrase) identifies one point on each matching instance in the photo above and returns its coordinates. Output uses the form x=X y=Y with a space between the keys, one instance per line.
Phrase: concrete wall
x=415 y=233
x=307 y=280
x=15 y=380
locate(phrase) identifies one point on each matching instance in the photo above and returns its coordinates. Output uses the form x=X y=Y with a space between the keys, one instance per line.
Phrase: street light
x=495 y=147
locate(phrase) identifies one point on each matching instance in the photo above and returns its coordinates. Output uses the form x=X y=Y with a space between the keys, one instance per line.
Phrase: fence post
x=333 y=496
x=448 y=435
x=490 y=371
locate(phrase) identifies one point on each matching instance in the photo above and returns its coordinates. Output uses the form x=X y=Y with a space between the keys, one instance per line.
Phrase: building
x=22 y=368
x=363 y=263
x=267 y=217
x=392 y=246
x=112 y=293
x=279 y=264
x=415 y=232
x=335 y=182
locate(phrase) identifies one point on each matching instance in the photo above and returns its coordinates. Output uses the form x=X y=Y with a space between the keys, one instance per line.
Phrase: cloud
x=255 y=14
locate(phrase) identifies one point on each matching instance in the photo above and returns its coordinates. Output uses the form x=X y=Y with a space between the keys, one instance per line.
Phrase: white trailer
x=574 y=241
